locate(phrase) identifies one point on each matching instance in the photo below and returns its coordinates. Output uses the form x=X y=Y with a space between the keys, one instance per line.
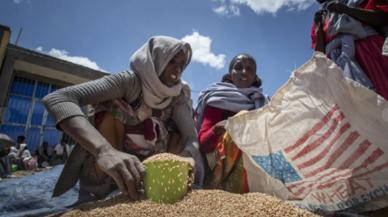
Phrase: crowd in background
x=15 y=156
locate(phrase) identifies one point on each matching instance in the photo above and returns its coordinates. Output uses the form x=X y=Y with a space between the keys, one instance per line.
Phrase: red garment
x=228 y=173
x=148 y=129
x=328 y=37
x=369 y=52
x=375 y=5
x=374 y=64
x=208 y=140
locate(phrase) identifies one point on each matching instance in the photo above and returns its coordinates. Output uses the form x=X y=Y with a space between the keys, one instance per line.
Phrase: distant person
x=352 y=33
x=43 y=154
x=136 y=112
x=13 y=153
x=60 y=152
x=21 y=140
x=12 y=156
x=17 y=151
x=26 y=161
x=5 y=162
x=21 y=156
x=239 y=90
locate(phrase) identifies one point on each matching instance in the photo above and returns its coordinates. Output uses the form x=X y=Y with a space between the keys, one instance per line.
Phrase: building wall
x=26 y=76
x=26 y=115
x=5 y=33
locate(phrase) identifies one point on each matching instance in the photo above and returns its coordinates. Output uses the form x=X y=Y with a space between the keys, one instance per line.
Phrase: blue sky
x=103 y=34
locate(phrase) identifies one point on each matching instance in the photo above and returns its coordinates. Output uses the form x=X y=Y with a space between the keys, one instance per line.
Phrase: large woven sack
x=321 y=143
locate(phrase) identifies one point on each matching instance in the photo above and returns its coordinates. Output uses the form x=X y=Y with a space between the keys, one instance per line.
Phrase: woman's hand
x=126 y=170
x=194 y=157
x=319 y=17
x=219 y=128
x=337 y=7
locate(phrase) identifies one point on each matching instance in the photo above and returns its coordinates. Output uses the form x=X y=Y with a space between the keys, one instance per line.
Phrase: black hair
x=241 y=56
x=226 y=77
x=21 y=139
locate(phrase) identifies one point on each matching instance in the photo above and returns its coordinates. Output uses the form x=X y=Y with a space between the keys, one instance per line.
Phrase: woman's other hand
x=219 y=130
x=126 y=170
x=193 y=155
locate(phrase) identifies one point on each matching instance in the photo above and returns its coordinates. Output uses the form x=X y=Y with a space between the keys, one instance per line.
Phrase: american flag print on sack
x=340 y=152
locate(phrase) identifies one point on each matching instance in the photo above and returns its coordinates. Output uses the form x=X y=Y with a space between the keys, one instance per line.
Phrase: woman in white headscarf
x=136 y=112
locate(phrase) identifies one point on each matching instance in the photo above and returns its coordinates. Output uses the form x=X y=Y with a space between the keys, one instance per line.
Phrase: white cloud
x=228 y=10
x=261 y=6
x=222 y=9
x=17 y=1
x=39 y=49
x=201 y=46
x=63 y=54
x=234 y=10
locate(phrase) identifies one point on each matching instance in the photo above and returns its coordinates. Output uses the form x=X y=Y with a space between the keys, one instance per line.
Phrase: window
x=26 y=115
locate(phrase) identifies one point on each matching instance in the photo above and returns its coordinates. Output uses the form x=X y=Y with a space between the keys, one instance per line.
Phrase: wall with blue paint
x=26 y=115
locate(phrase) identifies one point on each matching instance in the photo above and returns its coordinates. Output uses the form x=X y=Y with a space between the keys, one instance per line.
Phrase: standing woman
x=239 y=90
x=358 y=28
x=135 y=114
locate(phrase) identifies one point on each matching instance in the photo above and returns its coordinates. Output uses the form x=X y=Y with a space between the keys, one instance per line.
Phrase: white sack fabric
x=321 y=142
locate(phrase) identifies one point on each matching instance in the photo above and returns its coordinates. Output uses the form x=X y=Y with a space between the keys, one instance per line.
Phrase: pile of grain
x=196 y=203
x=165 y=157
x=23 y=173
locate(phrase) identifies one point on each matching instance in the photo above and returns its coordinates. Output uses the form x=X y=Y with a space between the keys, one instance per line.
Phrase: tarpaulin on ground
x=31 y=195
x=322 y=142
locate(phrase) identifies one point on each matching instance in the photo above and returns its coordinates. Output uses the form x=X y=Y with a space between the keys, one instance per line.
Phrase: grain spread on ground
x=196 y=203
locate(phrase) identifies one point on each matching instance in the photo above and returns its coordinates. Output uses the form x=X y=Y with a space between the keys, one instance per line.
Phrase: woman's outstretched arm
x=65 y=105
x=371 y=17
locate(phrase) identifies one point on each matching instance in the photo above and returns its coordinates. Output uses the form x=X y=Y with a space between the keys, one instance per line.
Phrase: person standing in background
x=352 y=33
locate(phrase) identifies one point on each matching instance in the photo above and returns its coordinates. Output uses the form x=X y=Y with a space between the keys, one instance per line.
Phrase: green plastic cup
x=166 y=181
x=14 y=168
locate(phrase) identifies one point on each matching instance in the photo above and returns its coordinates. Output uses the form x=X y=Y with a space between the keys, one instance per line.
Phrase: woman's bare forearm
x=85 y=134
x=320 y=46
x=370 y=17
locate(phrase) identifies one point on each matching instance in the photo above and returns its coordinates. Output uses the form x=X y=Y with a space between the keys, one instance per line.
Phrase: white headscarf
x=149 y=61
x=228 y=96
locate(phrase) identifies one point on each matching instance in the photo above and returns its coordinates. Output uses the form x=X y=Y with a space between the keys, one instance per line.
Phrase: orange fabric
x=229 y=174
